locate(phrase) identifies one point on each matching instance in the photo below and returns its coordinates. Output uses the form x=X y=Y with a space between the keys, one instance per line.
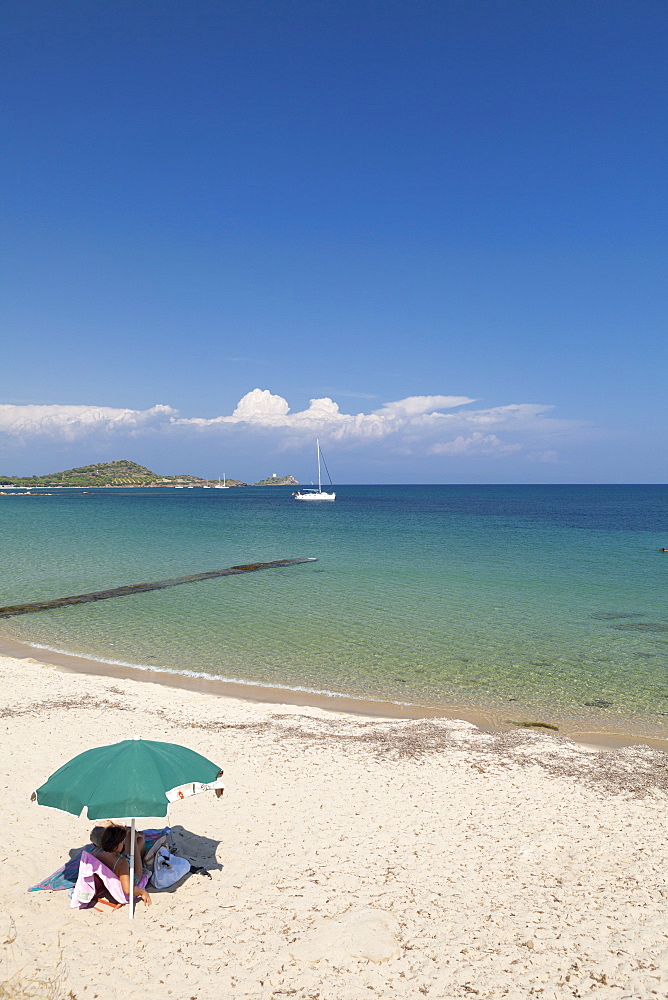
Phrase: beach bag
x=168 y=869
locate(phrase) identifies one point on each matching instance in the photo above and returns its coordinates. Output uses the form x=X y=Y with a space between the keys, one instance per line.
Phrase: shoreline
x=485 y=720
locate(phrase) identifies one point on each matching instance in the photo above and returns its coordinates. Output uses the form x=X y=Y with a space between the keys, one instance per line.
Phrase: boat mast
x=319 y=486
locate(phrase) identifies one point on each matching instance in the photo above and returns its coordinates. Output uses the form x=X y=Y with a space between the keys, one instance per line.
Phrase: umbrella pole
x=132 y=868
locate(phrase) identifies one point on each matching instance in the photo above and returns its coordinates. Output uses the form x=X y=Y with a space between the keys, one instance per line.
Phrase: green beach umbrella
x=131 y=778
x=134 y=778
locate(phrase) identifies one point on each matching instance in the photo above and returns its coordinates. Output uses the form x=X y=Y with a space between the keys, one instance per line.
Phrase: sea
x=515 y=600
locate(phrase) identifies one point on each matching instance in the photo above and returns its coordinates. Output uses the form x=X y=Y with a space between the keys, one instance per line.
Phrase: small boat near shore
x=313 y=494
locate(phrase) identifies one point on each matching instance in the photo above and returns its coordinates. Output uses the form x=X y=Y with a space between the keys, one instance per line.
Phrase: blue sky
x=448 y=219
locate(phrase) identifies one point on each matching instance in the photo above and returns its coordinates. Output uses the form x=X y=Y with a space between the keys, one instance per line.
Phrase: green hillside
x=120 y=473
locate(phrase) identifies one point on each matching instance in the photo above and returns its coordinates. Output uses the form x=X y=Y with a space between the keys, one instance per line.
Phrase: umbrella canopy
x=131 y=778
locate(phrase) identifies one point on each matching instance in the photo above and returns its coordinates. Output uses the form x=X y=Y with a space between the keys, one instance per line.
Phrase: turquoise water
x=551 y=596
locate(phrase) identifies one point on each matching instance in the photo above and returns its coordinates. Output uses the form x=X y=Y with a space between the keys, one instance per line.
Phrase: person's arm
x=143 y=895
x=123 y=872
x=139 y=861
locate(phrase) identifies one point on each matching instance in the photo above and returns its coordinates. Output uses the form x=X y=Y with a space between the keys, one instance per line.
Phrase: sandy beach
x=350 y=856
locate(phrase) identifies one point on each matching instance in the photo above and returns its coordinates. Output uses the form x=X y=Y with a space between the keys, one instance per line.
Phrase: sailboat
x=223 y=485
x=314 y=494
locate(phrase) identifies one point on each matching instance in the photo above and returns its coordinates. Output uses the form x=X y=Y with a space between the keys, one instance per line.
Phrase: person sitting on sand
x=112 y=848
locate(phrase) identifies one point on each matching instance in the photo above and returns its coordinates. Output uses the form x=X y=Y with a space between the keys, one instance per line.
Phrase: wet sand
x=620 y=733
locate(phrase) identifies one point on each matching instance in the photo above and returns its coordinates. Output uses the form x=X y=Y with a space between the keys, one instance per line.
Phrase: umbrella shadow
x=199 y=850
x=74 y=852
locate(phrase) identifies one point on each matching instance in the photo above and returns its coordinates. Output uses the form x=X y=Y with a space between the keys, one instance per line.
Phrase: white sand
x=355 y=857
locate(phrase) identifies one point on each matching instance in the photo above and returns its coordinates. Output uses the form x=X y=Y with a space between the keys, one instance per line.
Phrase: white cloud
x=70 y=423
x=436 y=425
x=477 y=443
x=519 y=416
x=260 y=405
x=413 y=406
x=260 y=408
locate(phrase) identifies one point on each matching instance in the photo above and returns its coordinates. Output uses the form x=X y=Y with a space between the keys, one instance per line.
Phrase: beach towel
x=93 y=878
x=66 y=876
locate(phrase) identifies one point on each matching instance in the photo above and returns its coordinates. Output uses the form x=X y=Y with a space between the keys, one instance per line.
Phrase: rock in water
x=278 y=481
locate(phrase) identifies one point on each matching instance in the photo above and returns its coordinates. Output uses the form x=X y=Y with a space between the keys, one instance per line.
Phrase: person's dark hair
x=112 y=837
x=95 y=835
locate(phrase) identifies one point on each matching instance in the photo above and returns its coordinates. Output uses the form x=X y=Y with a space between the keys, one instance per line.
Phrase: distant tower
x=273 y=475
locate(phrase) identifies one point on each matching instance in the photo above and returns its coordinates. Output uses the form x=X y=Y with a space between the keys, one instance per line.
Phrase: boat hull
x=314 y=496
